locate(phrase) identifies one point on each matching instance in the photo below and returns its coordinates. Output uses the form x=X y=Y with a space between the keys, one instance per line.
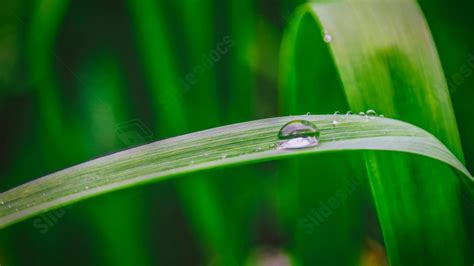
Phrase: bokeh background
x=82 y=79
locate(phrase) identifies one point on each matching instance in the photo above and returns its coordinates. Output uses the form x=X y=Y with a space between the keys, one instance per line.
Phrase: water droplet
x=335 y=118
x=349 y=113
x=298 y=134
x=3 y=203
x=371 y=113
x=86 y=187
x=382 y=116
x=206 y=154
x=9 y=206
x=16 y=210
x=364 y=115
x=223 y=156
x=327 y=36
x=192 y=162
x=298 y=128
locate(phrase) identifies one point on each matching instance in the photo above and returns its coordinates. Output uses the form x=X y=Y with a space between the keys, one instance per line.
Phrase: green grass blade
x=223 y=146
x=382 y=57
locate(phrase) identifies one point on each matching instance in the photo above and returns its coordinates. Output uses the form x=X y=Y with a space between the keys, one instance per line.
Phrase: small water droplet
x=381 y=116
x=327 y=36
x=206 y=154
x=9 y=206
x=371 y=113
x=298 y=134
x=335 y=118
x=2 y=202
x=86 y=187
x=364 y=115
x=349 y=113
x=192 y=162
x=223 y=156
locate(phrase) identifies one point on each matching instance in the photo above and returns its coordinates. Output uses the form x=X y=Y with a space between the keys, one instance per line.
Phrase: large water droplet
x=298 y=134
x=2 y=202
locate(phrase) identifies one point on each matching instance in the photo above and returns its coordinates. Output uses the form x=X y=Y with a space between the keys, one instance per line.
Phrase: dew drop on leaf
x=335 y=119
x=371 y=113
x=298 y=134
x=327 y=37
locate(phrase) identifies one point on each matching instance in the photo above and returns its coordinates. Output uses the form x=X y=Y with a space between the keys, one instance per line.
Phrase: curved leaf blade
x=223 y=146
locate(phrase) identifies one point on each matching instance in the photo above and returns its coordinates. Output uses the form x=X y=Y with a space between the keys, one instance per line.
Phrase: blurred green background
x=82 y=79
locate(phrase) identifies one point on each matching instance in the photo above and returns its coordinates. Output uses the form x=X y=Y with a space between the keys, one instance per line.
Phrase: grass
x=225 y=146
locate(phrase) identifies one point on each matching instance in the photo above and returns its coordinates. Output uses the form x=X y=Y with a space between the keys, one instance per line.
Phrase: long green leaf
x=380 y=55
x=223 y=146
